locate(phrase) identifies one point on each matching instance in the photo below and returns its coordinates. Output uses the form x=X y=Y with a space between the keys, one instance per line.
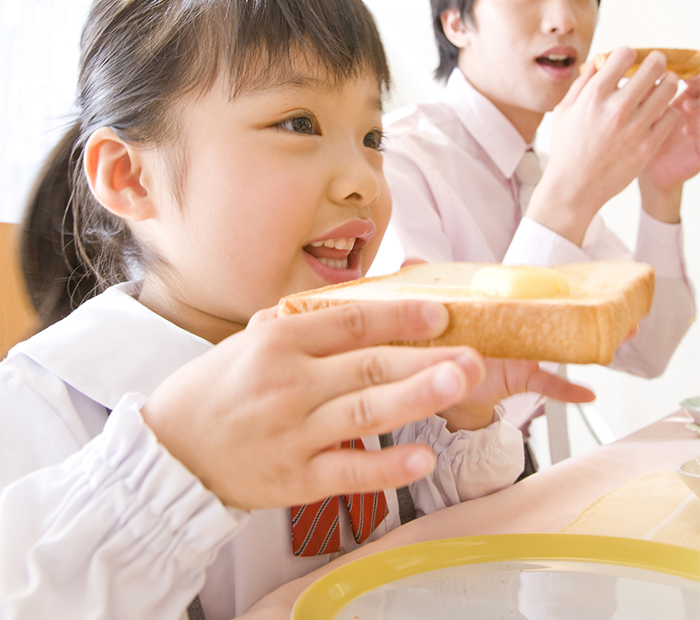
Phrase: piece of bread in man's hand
x=575 y=313
x=685 y=63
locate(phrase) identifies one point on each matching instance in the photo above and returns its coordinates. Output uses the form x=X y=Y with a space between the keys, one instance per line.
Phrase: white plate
x=516 y=577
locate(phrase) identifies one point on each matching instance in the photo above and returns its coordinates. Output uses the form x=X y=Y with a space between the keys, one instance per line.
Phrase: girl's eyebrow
x=305 y=82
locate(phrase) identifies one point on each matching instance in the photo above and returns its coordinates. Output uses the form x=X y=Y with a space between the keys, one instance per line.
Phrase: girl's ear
x=454 y=28
x=116 y=176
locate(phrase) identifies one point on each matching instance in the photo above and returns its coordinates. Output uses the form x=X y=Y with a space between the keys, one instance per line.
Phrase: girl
x=227 y=153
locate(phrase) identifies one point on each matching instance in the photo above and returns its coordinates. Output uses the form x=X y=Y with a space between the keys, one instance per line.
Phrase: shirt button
x=337 y=554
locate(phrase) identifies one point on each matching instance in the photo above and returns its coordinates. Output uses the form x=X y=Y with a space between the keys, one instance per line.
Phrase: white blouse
x=98 y=520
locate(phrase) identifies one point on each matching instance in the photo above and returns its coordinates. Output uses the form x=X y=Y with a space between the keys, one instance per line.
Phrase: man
x=461 y=170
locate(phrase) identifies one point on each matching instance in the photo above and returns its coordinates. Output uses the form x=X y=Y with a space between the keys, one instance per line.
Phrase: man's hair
x=449 y=53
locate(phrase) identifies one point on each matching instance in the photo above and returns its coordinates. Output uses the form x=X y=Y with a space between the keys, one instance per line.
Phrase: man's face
x=524 y=54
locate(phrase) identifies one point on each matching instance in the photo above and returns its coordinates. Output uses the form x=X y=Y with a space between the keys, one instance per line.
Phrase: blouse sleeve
x=470 y=464
x=119 y=529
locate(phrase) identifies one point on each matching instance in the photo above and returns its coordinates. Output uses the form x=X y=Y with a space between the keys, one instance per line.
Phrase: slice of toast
x=685 y=63
x=605 y=302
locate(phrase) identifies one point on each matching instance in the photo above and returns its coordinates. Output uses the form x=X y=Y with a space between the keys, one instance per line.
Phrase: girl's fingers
x=364 y=471
x=355 y=325
x=557 y=388
x=382 y=408
x=263 y=315
x=357 y=370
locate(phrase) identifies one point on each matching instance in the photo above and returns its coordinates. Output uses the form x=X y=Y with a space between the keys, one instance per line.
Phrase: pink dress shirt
x=450 y=167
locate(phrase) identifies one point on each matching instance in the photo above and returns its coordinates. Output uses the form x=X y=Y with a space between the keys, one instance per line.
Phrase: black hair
x=447 y=52
x=138 y=58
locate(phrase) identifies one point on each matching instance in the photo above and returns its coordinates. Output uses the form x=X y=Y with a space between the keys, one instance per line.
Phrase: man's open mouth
x=560 y=61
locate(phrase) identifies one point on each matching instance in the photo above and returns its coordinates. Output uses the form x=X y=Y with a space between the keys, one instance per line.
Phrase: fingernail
x=420 y=463
x=473 y=366
x=447 y=381
x=435 y=315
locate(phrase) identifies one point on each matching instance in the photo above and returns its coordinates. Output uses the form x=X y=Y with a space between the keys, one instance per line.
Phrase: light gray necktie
x=528 y=173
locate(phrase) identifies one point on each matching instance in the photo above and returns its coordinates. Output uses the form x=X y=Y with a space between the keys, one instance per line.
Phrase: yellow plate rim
x=327 y=596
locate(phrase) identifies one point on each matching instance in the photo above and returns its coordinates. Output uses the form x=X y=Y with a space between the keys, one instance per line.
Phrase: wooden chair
x=17 y=317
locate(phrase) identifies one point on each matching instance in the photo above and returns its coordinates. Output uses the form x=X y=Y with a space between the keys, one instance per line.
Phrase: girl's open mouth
x=335 y=253
x=335 y=256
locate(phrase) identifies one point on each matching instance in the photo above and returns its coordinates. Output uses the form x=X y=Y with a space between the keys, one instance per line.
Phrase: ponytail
x=52 y=269
x=71 y=248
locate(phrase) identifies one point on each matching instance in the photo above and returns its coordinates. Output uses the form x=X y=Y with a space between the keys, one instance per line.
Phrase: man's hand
x=603 y=136
x=678 y=160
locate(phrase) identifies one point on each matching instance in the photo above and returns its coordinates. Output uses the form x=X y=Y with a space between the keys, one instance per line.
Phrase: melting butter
x=520 y=282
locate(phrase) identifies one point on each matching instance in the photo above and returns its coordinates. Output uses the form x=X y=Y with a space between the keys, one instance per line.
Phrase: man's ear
x=116 y=176
x=454 y=27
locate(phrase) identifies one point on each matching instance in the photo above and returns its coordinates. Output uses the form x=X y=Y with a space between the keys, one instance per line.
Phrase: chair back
x=17 y=316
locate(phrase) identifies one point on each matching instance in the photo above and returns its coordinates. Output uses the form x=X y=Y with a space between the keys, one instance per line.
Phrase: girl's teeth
x=557 y=57
x=338 y=244
x=334 y=264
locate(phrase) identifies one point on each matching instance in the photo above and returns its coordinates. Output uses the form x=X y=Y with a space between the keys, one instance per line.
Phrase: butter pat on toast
x=604 y=302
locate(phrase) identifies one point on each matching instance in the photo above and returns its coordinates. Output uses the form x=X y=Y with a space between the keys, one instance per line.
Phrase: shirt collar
x=486 y=123
x=111 y=345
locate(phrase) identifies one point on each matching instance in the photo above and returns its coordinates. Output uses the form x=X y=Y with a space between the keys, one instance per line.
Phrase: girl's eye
x=299 y=124
x=373 y=140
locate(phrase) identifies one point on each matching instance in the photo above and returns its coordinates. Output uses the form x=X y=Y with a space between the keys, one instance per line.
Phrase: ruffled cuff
x=119 y=529
x=470 y=464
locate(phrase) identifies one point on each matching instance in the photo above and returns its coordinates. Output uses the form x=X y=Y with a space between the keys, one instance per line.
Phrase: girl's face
x=282 y=191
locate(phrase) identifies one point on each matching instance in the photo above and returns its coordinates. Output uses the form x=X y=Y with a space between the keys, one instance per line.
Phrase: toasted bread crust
x=582 y=328
x=683 y=62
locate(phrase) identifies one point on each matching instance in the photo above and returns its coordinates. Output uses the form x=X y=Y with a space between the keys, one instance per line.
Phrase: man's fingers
x=382 y=408
x=662 y=128
x=557 y=388
x=649 y=72
x=355 y=325
x=615 y=67
x=660 y=97
x=358 y=471
x=578 y=85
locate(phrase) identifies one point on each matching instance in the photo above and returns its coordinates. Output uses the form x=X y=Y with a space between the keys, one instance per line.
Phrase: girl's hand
x=677 y=160
x=506 y=378
x=602 y=138
x=260 y=417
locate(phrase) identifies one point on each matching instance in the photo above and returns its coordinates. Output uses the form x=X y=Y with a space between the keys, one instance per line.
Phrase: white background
x=38 y=60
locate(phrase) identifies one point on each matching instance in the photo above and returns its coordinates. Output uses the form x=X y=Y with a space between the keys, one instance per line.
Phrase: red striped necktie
x=315 y=527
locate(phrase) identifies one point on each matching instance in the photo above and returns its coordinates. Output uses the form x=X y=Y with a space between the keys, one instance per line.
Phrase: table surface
x=545 y=502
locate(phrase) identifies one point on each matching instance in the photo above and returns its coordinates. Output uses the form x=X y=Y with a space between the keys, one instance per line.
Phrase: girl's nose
x=558 y=17
x=355 y=181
